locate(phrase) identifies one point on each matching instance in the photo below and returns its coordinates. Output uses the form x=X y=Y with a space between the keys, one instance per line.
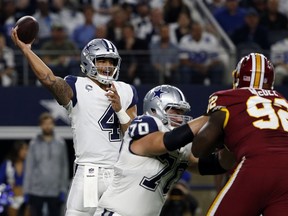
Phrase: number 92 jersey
x=256 y=120
x=140 y=183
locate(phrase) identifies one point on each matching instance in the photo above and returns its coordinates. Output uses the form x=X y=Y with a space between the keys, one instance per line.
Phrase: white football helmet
x=99 y=49
x=162 y=98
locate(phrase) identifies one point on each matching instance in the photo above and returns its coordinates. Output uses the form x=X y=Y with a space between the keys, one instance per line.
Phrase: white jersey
x=95 y=126
x=140 y=184
x=204 y=51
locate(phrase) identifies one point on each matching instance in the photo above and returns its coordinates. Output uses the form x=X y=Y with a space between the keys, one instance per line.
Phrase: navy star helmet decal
x=158 y=93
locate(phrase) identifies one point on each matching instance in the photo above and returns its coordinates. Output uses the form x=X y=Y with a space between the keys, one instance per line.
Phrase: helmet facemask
x=106 y=74
x=177 y=119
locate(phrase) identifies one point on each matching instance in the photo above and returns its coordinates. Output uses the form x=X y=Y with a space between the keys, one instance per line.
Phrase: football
x=28 y=28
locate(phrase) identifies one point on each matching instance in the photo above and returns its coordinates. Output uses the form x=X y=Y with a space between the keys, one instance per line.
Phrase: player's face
x=175 y=116
x=47 y=126
x=105 y=66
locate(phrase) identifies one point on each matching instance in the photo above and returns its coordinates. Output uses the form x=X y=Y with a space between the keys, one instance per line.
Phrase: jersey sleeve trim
x=140 y=127
x=71 y=80
x=135 y=97
x=227 y=115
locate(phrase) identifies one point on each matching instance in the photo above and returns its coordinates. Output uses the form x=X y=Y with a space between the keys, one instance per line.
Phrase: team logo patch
x=246 y=78
x=88 y=88
x=158 y=93
x=91 y=170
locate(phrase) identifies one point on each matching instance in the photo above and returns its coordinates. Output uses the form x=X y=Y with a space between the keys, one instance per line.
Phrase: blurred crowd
x=160 y=41
x=34 y=175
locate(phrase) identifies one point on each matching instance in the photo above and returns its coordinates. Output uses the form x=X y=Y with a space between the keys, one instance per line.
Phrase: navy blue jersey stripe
x=145 y=125
x=135 y=97
x=107 y=213
x=71 y=80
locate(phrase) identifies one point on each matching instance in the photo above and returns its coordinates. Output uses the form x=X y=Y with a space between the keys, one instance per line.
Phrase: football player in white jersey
x=143 y=173
x=100 y=109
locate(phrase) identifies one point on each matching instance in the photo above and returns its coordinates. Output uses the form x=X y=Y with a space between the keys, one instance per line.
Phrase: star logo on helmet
x=158 y=93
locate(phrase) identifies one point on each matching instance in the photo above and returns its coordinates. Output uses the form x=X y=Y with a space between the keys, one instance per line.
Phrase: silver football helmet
x=99 y=49
x=160 y=99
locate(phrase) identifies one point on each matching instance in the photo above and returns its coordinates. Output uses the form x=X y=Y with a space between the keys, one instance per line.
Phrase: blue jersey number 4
x=110 y=122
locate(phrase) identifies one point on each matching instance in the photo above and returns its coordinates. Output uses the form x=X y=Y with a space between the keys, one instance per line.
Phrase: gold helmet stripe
x=257 y=73
x=262 y=69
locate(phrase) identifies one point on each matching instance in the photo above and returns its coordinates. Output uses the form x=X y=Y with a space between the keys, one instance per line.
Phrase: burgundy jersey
x=256 y=131
x=256 y=121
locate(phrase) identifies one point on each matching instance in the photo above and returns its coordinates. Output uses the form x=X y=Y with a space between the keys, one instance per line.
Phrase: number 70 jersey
x=140 y=183
x=256 y=120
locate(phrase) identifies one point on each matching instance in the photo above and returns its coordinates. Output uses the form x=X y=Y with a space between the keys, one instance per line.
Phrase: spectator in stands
x=12 y=173
x=231 y=16
x=136 y=65
x=259 y=5
x=103 y=10
x=272 y=18
x=8 y=75
x=283 y=7
x=116 y=24
x=101 y=31
x=129 y=9
x=214 y=5
x=181 y=28
x=252 y=32
x=173 y=8
x=157 y=20
x=85 y=32
x=46 y=170
x=279 y=57
x=163 y=60
x=8 y=19
x=142 y=21
x=45 y=18
x=202 y=58
x=24 y=7
x=68 y=10
x=65 y=58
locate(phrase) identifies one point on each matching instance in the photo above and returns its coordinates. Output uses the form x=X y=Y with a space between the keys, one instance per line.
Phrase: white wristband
x=123 y=116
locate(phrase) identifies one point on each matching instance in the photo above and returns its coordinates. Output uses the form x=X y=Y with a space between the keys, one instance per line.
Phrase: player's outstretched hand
x=18 y=42
x=113 y=96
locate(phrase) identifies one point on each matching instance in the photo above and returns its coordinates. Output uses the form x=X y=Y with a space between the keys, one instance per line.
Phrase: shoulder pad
x=141 y=126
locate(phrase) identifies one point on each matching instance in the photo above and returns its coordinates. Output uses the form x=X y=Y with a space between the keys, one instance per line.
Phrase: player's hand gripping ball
x=27 y=29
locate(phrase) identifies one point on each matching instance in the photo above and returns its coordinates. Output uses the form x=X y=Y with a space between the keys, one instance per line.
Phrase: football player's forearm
x=149 y=145
x=40 y=69
x=184 y=134
x=196 y=124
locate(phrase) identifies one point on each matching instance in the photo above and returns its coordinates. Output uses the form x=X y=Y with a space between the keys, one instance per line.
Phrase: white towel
x=90 y=186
